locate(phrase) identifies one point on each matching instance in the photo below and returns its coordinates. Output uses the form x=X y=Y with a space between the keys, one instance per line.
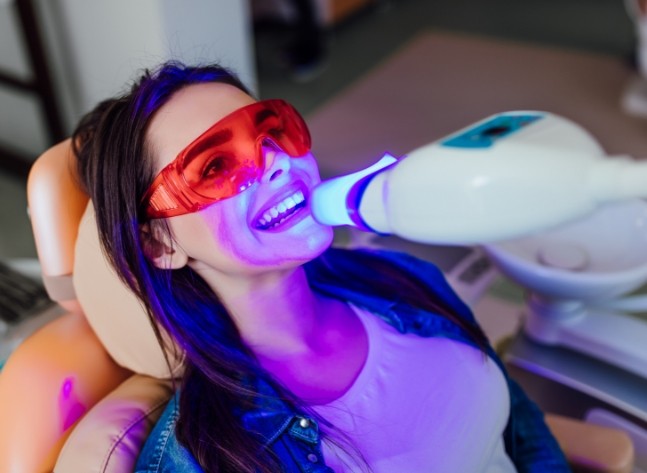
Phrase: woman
x=298 y=357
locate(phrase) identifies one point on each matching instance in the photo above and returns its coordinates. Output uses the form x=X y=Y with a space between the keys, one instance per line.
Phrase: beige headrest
x=112 y=310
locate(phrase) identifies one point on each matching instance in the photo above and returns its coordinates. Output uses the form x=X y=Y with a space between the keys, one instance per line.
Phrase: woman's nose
x=277 y=162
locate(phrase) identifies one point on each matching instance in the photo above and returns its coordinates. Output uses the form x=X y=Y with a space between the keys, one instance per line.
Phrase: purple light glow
x=69 y=406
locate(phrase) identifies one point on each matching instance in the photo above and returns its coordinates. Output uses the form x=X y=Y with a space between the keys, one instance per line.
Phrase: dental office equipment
x=552 y=211
x=509 y=175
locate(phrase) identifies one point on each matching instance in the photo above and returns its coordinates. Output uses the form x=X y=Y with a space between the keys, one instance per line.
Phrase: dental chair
x=82 y=393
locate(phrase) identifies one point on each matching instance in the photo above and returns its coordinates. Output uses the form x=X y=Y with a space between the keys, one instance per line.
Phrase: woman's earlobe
x=160 y=249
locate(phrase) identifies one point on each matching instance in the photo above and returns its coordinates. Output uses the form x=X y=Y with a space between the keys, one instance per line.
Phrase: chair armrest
x=47 y=384
x=592 y=448
x=109 y=438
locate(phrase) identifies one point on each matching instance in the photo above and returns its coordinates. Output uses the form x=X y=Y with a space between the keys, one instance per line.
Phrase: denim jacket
x=294 y=437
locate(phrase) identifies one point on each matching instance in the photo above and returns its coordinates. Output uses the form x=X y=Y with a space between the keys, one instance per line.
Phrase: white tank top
x=419 y=405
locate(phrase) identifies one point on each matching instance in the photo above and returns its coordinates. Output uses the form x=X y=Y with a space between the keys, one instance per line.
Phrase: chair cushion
x=110 y=436
x=113 y=311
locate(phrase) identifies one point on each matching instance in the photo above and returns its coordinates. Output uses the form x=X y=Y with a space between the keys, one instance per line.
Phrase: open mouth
x=281 y=212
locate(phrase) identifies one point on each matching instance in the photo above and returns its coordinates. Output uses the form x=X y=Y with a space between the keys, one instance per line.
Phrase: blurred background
x=58 y=58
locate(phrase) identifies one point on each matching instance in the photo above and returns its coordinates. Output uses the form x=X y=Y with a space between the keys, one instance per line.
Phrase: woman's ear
x=160 y=249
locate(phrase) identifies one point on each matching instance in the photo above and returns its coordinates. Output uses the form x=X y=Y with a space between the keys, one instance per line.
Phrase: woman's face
x=228 y=237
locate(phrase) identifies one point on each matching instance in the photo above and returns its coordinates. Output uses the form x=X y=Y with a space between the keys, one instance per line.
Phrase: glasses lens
x=228 y=158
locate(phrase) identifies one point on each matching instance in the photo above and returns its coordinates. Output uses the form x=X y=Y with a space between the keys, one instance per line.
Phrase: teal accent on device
x=486 y=134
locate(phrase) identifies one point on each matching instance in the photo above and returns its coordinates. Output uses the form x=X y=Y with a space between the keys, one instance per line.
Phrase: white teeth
x=287 y=204
x=298 y=197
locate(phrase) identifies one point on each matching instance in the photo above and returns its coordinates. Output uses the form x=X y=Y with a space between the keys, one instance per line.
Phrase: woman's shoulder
x=162 y=452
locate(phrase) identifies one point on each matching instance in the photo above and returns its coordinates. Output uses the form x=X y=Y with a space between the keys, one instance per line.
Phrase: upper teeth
x=282 y=207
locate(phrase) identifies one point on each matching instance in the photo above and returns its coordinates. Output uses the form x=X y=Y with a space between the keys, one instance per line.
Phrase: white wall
x=96 y=47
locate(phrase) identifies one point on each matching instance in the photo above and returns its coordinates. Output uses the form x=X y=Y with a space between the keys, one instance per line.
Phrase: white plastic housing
x=503 y=184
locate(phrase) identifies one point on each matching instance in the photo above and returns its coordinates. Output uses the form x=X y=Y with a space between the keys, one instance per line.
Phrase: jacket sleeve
x=528 y=440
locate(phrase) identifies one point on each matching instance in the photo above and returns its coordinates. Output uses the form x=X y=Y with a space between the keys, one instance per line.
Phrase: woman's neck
x=314 y=345
x=273 y=312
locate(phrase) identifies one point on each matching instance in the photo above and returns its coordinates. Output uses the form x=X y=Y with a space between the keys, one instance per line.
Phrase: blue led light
x=330 y=200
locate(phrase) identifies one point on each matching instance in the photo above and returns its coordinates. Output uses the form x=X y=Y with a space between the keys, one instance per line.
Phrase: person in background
x=293 y=33
x=306 y=52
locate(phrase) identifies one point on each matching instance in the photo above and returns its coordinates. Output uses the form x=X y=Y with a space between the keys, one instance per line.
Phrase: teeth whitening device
x=551 y=209
x=509 y=175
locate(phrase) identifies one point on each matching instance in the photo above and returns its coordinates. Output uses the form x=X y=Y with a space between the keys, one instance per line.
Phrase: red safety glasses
x=226 y=159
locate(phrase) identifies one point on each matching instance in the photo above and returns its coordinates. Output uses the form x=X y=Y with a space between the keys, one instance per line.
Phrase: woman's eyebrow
x=206 y=141
x=263 y=115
